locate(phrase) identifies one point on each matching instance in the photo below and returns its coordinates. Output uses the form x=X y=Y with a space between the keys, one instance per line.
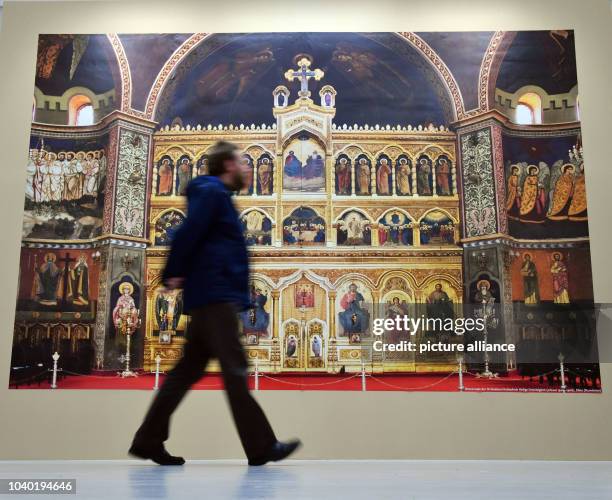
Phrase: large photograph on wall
x=432 y=175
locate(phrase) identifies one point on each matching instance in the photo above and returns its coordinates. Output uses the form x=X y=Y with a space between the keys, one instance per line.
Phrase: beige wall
x=98 y=424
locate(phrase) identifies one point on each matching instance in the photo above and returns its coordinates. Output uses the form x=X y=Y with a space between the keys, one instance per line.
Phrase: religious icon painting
x=484 y=294
x=531 y=284
x=65 y=184
x=304 y=227
x=125 y=297
x=343 y=175
x=533 y=198
x=257 y=228
x=291 y=350
x=363 y=176
x=354 y=305
x=384 y=176
x=47 y=281
x=436 y=228
x=202 y=165
x=265 y=175
x=169 y=310
x=304 y=295
x=560 y=280
x=424 y=176
x=247 y=189
x=183 y=174
x=395 y=228
x=255 y=320
x=316 y=345
x=546 y=195
x=304 y=166
x=78 y=282
x=397 y=304
x=403 y=176
x=354 y=228
x=440 y=306
x=444 y=182
x=165 y=176
x=165 y=224
x=513 y=200
x=60 y=284
x=292 y=345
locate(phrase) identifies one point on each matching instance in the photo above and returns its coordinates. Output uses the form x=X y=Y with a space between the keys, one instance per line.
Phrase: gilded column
x=275 y=313
x=374 y=234
x=416 y=234
x=255 y=170
x=278 y=187
x=373 y=184
x=332 y=314
x=332 y=351
x=433 y=178
x=174 y=157
x=454 y=178
x=155 y=178
x=275 y=351
x=329 y=205
x=332 y=174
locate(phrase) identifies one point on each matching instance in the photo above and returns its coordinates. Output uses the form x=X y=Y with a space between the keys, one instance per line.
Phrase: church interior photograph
x=429 y=174
x=297 y=250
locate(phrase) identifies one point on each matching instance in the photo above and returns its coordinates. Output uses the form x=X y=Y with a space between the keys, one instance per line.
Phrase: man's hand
x=174 y=283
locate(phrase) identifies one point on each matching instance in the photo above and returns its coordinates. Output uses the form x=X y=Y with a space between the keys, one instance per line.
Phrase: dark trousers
x=212 y=333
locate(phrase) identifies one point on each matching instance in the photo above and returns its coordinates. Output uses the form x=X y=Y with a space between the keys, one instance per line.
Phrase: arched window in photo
x=529 y=109
x=80 y=111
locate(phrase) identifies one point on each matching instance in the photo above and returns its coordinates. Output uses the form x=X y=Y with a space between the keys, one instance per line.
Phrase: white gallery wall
x=38 y=424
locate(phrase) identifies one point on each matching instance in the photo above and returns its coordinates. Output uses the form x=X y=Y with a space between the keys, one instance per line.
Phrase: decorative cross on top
x=304 y=73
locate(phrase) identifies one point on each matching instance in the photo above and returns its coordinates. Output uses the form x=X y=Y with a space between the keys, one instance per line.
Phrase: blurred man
x=209 y=260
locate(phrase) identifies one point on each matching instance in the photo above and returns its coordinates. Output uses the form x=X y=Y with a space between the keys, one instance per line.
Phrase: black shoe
x=158 y=454
x=279 y=451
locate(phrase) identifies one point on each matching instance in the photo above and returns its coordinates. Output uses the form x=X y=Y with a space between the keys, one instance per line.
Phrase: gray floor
x=292 y=480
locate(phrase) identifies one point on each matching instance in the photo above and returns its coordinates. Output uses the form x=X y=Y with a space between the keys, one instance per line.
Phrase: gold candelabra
x=128 y=322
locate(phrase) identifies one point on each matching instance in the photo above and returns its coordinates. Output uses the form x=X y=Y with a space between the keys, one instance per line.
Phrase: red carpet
x=324 y=382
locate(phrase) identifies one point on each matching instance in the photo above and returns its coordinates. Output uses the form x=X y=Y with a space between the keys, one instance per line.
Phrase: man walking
x=209 y=260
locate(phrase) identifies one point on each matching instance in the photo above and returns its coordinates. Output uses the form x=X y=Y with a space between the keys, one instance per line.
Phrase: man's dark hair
x=221 y=152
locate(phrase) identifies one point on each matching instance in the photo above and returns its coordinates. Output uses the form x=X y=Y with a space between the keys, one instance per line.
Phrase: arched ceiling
x=146 y=55
x=543 y=58
x=66 y=61
x=229 y=78
x=463 y=53
x=404 y=78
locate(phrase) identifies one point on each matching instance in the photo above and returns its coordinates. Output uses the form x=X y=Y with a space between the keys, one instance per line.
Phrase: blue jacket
x=208 y=248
